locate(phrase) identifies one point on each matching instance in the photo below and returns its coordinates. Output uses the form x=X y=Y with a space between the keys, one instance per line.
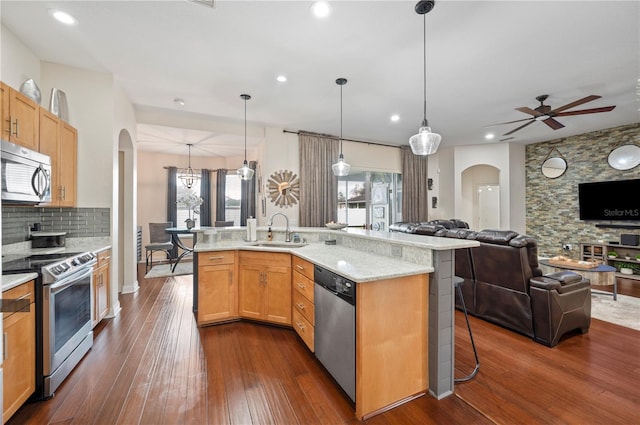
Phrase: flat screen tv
x=612 y=200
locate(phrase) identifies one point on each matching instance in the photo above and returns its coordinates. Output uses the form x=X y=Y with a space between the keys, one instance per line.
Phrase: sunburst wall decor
x=284 y=188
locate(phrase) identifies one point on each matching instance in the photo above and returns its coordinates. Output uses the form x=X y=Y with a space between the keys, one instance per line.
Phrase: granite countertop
x=352 y=264
x=12 y=280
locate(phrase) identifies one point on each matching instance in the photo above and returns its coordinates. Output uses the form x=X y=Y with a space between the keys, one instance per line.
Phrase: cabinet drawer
x=303 y=266
x=216 y=257
x=303 y=328
x=303 y=285
x=20 y=292
x=304 y=306
x=104 y=257
x=272 y=259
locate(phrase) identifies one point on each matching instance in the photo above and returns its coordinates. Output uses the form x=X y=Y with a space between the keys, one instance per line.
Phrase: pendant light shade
x=245 y=172
x=341 y=168
x=425 y=142
x=188 y=176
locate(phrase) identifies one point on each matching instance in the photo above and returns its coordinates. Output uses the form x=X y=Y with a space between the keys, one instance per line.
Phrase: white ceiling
x=483 y=60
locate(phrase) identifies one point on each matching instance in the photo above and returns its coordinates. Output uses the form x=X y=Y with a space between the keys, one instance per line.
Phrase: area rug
x=164 y=270
x=624 y=312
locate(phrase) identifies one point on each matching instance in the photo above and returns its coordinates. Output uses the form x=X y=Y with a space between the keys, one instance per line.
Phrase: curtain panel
x=205 y=194
x=172 y=200
x=248 y=196
x=318 y=185
x=221 y=182
x=415 y=205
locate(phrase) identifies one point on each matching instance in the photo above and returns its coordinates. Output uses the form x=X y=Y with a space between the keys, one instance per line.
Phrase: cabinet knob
x=300 y=306
x=300 y=326
x=299 y=266
x=300 y=285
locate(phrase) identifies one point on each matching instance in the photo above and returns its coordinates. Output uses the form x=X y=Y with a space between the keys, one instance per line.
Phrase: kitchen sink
x=279 y=244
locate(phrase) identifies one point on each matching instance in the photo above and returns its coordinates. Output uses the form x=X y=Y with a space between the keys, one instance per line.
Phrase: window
x=233 y=196
x=371 y=200
x=186 y=200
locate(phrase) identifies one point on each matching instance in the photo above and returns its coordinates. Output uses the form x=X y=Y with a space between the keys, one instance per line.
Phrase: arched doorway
x=481 y=192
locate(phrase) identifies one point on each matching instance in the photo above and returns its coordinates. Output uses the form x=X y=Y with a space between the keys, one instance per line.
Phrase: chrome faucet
x=288 y=232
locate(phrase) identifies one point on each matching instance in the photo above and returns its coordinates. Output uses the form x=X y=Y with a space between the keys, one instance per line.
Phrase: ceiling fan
x=547 y=115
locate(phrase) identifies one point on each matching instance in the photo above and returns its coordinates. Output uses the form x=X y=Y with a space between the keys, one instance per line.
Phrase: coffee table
x=603 y=275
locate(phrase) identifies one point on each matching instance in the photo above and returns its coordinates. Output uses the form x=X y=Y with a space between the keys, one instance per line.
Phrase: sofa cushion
x=460 y=233
x=428 y=229
x=498 y=237
x=459 y=224
x=447 y=224
x=403 y=226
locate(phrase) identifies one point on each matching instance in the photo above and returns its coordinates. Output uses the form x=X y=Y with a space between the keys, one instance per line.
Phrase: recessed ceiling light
x=321 y=9
x=281 y=78
x=489 y=136
x=178 y=101
x=63 y=17
x=395 y=117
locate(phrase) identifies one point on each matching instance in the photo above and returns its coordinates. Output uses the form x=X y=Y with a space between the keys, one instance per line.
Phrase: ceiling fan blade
x=553 y=123
x=529 y=111
x=508 y=122
x=576 y=103
x=586 y=111
x=519 y=128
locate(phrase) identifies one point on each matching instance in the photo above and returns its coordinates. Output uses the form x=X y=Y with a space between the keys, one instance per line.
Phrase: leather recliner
x=561 y=303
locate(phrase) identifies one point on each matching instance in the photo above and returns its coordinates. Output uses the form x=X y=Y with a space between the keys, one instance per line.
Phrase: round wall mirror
x=624 y=157
x=554 y=167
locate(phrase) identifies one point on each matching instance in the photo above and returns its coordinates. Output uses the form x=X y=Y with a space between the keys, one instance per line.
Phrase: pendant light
x=188 y=176
x=341 y=168
x=245 y=172
x=425 y=142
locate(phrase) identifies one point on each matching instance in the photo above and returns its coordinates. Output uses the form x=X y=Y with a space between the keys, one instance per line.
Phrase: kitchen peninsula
x=404 y=300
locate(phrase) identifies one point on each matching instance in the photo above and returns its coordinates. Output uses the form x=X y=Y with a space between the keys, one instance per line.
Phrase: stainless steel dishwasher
x=335 y=327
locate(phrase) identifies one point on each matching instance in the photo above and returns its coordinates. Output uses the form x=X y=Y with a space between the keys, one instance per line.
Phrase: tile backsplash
x=77 y=222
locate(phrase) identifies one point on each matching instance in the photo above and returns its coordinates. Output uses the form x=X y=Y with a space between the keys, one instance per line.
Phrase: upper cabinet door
x=50 y=145
x=68 y=164
x=20 y=121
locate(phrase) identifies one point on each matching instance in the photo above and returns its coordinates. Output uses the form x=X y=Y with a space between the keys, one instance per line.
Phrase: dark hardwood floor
x=152 y=365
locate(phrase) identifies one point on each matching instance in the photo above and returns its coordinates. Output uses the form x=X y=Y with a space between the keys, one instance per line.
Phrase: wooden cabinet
x=303 y=302
x=626 y=257
x=59 y=140
x=265 y=286
x=67 y=165
x=19 y=328
x=217 y=287
x=101 y=282
x=20 y=118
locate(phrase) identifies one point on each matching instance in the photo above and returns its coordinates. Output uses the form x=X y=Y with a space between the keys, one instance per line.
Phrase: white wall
x=17 y=62
x=511 y=181
x=90 y=96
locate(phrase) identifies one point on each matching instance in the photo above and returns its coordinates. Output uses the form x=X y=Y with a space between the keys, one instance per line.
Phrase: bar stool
x=457 y=282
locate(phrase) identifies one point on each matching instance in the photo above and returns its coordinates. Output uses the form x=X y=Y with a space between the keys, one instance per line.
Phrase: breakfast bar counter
x=406 y=292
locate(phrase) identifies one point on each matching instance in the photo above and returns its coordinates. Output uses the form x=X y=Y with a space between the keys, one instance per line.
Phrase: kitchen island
x=404 y=291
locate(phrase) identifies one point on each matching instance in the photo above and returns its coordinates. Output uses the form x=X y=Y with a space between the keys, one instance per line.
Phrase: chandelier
x=188 y=176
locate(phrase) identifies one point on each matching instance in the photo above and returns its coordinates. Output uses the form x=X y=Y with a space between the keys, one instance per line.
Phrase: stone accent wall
x=552 y=204
x=77 y=222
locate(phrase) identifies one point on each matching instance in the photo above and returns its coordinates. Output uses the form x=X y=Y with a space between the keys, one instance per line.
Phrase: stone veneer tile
x=552 y=204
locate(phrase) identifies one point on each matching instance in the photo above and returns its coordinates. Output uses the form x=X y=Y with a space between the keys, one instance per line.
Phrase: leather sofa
x=503 y=282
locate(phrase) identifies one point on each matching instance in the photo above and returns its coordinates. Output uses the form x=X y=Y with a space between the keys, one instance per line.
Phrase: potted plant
x=612 y=254
x=638 y=257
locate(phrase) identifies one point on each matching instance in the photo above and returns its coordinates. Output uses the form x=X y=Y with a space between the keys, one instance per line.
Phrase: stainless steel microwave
x=26 y=175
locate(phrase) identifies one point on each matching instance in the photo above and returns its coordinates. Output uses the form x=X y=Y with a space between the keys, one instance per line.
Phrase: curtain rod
x=348 y=140
x=166 y=167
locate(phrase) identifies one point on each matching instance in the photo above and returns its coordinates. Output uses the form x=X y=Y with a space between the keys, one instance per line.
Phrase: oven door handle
x=69 y=280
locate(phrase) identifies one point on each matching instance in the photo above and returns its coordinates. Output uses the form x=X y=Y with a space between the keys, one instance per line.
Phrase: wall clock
x=284 y=188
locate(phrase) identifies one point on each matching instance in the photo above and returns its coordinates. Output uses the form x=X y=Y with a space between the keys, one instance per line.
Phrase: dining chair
x=159 y=240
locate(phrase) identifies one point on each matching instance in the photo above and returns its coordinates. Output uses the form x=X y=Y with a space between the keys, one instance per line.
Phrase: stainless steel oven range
x=63 y=313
